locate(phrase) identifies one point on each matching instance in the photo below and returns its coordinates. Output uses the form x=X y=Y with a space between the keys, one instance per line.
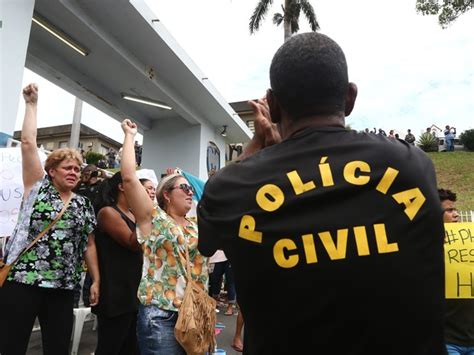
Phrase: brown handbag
x=5 y=268
x=195 y=325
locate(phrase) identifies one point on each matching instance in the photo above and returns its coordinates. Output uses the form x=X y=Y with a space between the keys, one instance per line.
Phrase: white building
x=106 y=51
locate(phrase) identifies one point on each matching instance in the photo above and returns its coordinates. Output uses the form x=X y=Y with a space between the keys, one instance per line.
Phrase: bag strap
x=53 y=222
x=188 y=266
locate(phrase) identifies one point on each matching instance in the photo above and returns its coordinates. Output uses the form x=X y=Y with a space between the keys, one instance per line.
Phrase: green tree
x=446 y=10
x=291 y=10
x=93 y=157
x=467 y=139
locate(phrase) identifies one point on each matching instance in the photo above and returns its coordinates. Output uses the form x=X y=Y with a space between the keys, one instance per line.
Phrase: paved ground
x=89 y=337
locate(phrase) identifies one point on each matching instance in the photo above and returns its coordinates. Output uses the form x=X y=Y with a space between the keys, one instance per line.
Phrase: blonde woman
x=163 y=233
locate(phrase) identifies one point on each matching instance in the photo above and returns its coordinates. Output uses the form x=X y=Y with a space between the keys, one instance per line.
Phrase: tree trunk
x=286 y=21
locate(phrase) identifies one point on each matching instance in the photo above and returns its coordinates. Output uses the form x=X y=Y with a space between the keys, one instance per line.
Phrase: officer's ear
x=351 y=96
x=274 y=107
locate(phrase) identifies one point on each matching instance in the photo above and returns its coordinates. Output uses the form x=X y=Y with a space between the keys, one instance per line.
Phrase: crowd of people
x=111 y=159
x=409 y=137
x=449 y=135
x=333 y=238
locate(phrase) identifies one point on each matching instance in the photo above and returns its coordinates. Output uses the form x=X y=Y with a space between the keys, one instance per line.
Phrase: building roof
x=241 y=107
x=129 y=52
x=65 y=131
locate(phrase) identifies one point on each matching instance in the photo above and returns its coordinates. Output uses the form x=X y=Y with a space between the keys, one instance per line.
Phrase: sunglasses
x=185 y=187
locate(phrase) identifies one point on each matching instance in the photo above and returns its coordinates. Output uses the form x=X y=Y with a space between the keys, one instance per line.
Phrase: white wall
x=172 y=143
x=175 y=143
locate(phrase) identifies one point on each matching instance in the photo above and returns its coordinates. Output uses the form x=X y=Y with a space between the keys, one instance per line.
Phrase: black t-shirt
x=120 y=273
x=459 y=326
x=336 y=243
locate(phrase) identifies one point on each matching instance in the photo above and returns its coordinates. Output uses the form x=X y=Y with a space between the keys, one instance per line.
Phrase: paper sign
x=11 y=188
x=459 y=260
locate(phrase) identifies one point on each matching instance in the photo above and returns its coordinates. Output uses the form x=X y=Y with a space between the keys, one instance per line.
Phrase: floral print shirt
x=164 y=262
x=56 y=260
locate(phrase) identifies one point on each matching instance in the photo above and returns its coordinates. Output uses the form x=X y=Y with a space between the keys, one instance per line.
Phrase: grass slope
x=455 y=171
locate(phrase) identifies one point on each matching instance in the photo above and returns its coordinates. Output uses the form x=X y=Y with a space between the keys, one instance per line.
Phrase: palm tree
x=289 y=17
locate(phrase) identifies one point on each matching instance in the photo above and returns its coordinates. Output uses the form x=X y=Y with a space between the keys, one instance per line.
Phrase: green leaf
x=31 y=256
x=43 y=206
x=31 y=276
x=48 y=275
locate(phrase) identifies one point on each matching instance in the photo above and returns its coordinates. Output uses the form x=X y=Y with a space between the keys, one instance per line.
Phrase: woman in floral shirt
x=163 y=233
x=40 y=284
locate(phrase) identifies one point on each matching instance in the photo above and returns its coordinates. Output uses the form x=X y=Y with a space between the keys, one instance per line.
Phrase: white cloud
x=410 y=72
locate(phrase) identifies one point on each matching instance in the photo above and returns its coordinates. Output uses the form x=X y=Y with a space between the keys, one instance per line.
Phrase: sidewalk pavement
x=89 y=337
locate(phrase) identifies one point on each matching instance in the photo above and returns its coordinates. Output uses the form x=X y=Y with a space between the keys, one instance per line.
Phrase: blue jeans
x=459 y=350
x=449 y=144
x=215 y=280
x=155 y=328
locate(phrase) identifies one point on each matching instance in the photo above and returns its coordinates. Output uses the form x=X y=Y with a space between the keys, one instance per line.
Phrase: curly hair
x=445 y=194
x=59 y=155
x=308 y=76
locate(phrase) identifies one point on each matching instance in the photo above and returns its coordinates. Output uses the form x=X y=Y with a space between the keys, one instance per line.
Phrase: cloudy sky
x=410 y=72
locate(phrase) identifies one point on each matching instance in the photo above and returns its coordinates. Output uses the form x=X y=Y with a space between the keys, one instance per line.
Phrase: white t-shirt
x=218 y=257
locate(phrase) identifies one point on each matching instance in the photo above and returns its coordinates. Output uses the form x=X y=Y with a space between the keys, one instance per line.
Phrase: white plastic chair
x=80 y=315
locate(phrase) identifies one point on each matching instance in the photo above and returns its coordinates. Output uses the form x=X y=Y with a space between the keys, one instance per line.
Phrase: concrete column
x=76 y=124
x=15 y=24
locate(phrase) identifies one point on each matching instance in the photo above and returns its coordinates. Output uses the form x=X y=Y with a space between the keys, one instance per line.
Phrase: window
x=251 y=125
x=213 y=157
x=63 y=144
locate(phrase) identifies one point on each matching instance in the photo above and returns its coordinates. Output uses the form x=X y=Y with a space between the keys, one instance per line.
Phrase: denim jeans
x=215 y=280
x=449 y=144
x=459 y=350
x=155 y=328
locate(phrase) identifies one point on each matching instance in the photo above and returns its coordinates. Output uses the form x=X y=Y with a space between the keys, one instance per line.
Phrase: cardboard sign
x=11 y=187
x=459 y=260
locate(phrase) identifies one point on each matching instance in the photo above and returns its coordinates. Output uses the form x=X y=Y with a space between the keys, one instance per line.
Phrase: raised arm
x=31 y=165
x=137 y=197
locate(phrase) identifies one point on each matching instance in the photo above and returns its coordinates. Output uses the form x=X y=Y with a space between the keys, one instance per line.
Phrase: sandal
x=237 y=348
x=229 y=312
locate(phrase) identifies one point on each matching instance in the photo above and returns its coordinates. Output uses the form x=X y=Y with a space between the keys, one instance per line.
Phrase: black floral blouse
x=56 y=260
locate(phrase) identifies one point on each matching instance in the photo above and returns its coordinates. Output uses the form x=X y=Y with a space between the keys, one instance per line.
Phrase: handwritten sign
x=459 y=260
x=11 y=188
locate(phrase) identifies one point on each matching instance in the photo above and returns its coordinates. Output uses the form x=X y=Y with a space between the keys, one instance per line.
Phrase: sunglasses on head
x=185 y=187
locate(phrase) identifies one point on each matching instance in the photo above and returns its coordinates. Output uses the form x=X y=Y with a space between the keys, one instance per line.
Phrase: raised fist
x=129 y=127
x=30 y=94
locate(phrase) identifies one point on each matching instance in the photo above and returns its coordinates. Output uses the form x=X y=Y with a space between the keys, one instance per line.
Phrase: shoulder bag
x=195 y=325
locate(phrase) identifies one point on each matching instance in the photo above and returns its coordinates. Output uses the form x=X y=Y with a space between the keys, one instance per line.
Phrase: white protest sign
x=11 y=187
